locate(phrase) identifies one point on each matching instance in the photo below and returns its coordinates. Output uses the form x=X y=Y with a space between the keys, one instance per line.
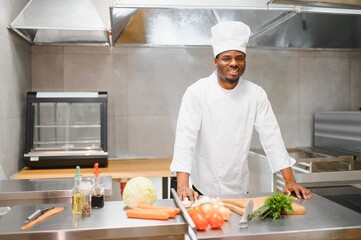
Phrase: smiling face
x=230 y=67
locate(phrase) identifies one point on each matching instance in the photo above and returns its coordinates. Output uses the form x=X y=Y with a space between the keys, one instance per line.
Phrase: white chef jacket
x=214 y=133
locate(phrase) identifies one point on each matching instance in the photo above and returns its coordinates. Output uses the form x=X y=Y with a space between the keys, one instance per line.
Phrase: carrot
x=145 y=206
x=171 y=213
x=146 y=214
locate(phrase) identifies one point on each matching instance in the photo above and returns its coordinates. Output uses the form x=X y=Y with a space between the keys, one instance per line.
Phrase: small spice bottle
x=85 y=189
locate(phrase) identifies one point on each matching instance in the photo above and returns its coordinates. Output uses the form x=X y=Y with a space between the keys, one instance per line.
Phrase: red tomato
x=216 y=220
x=194 y=210
x=200 y=220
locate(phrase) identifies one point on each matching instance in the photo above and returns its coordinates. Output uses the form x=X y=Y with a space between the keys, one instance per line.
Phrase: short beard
x=232 y=80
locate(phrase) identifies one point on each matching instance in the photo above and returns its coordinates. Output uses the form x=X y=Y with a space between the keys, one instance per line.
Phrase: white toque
x=230 y=35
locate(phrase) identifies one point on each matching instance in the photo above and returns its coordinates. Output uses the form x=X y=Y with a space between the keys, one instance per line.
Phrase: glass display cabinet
x=66 y=129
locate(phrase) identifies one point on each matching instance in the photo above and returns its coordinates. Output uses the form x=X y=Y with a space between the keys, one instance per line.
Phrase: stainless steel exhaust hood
x=54 y=22
x=334 y=24
x=323 y=6
x=274 y=24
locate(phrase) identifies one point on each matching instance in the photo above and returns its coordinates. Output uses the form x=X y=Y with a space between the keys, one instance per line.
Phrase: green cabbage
x=139 y=190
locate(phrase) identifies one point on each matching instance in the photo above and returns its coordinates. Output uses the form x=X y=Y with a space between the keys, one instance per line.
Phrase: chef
x=215 y=124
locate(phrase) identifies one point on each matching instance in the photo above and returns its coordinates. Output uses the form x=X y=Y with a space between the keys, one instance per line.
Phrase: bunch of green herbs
x=274 y=206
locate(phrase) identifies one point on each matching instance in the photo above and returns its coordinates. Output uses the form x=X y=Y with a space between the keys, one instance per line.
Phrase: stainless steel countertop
x=109 y=222
x=324 y=219
x=44 y=188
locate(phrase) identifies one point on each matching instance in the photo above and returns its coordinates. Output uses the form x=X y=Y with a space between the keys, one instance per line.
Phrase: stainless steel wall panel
x=339 y=131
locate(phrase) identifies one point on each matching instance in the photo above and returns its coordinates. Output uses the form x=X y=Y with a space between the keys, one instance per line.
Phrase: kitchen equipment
x=151 y=23
x=66 y=129
x=61 y=22
x=42 y=217
x=36 y=214
x=332 y=166
x=338 y=131
x=243 y=223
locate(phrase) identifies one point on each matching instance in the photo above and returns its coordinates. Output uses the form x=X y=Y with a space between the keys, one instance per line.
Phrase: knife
x=243 y=223
x=36 y=214
x=42 y=217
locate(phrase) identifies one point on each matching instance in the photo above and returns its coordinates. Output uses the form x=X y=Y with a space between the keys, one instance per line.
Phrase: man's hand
x=183 y=189
x=300 y=191
x=186 y=192
x=292 y=186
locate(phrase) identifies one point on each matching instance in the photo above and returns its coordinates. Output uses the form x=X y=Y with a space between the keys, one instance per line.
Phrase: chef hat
x=230 y=35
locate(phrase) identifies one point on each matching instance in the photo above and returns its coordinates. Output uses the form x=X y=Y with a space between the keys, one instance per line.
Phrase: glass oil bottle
x=77 y=198
x=97 y=199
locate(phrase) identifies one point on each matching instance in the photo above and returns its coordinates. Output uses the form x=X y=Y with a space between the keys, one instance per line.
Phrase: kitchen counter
x=109 y=222
x=119 y=169
x=15 y=192
x=324 y=219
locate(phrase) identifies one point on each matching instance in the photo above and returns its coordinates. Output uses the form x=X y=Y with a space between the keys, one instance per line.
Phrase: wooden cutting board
x=241 y=204
x=43 y=217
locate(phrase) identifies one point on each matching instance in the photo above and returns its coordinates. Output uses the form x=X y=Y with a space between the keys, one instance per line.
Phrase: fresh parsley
x=274 y=206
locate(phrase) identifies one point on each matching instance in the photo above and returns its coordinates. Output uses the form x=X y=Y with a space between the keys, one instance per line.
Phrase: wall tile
x=4 y=144
x=11 y=145
x=47 y=49
x=88 y=50
x=324 y=54
x=325 y=84
x=118 y=137
x=306 y=130
x=289 y=125
x=47 y=72
x=278 y=75
x=151 y=136
x=200 y=64
x=156 y=82
x=5 y=16
x=259 y=52
x=21 y=80
x=6 y=77
x=155 y=50
x=15 y=80
x=98 y=72
x=290 y=129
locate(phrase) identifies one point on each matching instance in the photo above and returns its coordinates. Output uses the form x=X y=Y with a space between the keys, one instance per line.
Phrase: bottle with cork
x=97 y=199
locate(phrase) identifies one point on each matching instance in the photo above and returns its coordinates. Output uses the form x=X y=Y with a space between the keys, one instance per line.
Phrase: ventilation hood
x=325 y=24
x=334 y=24
x=54 y=22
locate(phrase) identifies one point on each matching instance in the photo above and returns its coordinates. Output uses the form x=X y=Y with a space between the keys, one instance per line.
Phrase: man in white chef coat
x=216 y=121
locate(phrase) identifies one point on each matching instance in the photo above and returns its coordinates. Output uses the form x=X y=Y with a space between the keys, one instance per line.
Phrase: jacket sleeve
x=188 y=124
x=270 y=134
